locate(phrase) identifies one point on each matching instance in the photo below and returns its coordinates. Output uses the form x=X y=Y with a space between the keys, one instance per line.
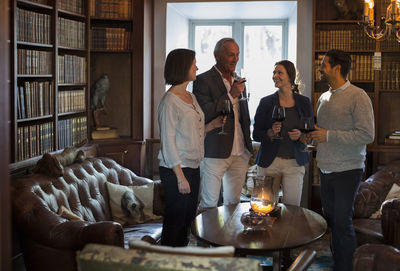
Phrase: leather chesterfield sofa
x=369 y=199
x=49 y=241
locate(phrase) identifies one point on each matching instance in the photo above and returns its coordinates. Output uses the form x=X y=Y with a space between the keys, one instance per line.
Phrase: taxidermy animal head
x=349 y=9
x=53 y=165
x=98 y=92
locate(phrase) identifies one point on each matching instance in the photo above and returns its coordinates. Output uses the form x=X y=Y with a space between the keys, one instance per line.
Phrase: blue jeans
x=338 y=191
x=180 y=209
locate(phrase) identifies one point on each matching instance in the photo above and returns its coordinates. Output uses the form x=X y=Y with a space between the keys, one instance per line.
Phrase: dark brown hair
x=339 y=57
x=291 y=71
x=177 y=66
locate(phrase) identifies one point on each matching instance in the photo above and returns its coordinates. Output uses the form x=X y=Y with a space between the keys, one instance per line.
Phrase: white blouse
x=181 y=127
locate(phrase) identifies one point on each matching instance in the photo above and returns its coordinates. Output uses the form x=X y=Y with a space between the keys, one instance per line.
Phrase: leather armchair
x=50 y=241
x=369 y=199
x=376 y=257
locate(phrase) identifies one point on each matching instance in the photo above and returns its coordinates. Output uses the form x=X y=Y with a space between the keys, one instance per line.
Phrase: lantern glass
x=264 y=198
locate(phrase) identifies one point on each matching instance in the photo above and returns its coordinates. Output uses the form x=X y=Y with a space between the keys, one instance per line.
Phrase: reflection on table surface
x=296 y=227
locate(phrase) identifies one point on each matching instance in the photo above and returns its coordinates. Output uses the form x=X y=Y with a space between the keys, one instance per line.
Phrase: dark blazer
x=210 y=91
x=263 y=121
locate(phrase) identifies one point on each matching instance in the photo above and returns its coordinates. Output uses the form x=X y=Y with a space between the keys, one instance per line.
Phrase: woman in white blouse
x=182 y=130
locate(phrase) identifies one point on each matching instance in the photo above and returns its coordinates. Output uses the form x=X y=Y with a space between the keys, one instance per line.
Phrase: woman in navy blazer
x=283 y=159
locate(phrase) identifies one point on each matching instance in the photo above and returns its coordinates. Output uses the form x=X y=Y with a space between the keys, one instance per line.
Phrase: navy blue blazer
x=263 y=121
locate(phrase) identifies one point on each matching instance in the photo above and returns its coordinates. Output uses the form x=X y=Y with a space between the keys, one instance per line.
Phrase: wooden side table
x=296 y=227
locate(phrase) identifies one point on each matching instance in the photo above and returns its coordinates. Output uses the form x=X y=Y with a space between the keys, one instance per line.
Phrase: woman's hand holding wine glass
x=278 y=115
x=225 y=110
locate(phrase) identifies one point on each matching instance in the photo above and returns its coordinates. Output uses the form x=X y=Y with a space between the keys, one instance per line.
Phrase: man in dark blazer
x=226 y=155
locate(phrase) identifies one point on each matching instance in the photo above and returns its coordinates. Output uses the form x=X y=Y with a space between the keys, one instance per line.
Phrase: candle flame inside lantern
x=260 y=208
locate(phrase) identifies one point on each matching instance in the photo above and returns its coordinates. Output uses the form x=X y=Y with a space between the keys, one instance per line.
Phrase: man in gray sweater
x=345 y=125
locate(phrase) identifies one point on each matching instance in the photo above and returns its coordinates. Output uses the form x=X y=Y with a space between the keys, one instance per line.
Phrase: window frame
x=238 y=26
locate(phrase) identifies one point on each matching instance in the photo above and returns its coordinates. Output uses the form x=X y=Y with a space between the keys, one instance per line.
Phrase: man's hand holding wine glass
x=237 y=87
x=319 y=135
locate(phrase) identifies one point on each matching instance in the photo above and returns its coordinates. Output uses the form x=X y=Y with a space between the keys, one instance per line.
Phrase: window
x=261 y=42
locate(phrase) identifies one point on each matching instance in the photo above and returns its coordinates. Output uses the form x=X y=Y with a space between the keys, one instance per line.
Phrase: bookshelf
x=49 y=60
x=59 y=48
x=382 y=84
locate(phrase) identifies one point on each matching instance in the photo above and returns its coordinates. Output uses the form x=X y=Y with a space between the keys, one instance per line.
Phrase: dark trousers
x=180 y=209
x=338 y=191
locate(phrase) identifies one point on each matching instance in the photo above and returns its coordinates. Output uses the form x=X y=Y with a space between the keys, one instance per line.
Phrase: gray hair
x=220 y=43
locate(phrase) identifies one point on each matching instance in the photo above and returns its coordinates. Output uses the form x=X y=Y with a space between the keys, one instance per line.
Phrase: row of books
x=71 y=69
x=395 y=135
x=390 y=75
x=34 y=99
x=111 y=8
x=33 y=62
x=71 y=131
x=362 y=67
x=393 y=138
x=71 y=33
x=33 y=27
x=34 y=140
x=75 y=6
x=390 y=44
x=44 y=2
x=71 y=100
x=110 y=38
x=353 y=39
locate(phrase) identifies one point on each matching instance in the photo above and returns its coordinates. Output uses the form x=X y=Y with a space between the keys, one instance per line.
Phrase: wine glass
x=278 y=114
x=308 y=126
x=225 y=110
x=245 y=95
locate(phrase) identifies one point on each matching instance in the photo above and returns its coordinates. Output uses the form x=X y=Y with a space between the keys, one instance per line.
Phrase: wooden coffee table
x=296 y=227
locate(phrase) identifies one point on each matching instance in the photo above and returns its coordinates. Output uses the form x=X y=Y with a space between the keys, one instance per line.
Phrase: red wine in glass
x=308 y=126
x=226 y=110
x=278 y=115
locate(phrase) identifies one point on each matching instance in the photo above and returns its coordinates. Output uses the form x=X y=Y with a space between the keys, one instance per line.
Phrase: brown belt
x=286 y=157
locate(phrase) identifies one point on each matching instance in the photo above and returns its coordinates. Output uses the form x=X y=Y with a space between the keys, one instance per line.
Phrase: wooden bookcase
x=59 y=49
x=332 y=30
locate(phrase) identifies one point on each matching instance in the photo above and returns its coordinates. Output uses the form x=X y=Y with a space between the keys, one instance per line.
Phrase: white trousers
x=288 y=173
x=231 y=171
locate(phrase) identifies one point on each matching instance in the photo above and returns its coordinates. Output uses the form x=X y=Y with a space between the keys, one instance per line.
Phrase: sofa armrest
x=391 y=222
x=75 y=235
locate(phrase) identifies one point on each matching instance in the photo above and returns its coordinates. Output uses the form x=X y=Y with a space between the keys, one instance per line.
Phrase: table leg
x=287 y=259
x=276 y=260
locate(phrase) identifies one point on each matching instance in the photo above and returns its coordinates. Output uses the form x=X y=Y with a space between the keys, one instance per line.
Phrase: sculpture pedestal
x=104 y=133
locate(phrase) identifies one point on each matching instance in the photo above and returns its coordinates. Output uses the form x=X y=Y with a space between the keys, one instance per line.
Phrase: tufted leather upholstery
x=376 y=257
x=50 y=241
x=371 y=195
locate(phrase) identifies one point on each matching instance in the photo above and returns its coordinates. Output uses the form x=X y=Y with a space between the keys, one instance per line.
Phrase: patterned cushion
x=95 y=257
x=224 y=251
x=131 y=204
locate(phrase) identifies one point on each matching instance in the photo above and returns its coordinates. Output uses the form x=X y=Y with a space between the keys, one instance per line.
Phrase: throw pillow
x=68 y=214
x=224 y=251
x=393 y=193
x=131 y=204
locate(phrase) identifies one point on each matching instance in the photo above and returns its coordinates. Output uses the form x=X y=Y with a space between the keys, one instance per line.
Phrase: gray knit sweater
x=348 y=116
